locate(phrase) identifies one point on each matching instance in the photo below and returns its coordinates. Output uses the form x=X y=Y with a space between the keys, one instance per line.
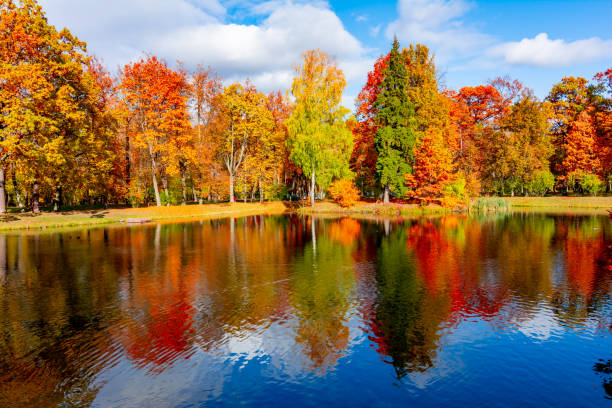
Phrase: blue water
x=511 y=310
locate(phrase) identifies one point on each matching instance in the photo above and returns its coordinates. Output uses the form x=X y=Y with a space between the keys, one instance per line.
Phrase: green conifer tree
x=395 y=139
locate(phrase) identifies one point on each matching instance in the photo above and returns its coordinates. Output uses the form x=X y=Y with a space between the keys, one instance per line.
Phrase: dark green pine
x=395 y=138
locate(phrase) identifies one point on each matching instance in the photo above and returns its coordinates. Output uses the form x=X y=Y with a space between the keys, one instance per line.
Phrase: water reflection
x=292 y=300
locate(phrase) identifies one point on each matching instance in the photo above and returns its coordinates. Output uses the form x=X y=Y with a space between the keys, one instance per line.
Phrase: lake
x=506 y=310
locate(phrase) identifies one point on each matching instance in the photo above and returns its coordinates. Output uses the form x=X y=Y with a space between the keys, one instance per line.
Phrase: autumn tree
x=364 y=156
x=433 y=168
x=246 y=120
x=158 y=96
x=261 y=155
x=520 y=147
x=568 y=99
x=602 y=115
x=319 y=140
x=274 y=160
x=395 y=137
x=42 y=93
x=580 y=149
x=205 y=87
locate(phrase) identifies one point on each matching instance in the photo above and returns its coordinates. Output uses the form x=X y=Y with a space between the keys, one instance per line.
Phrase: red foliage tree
x=581 y=148
x=433 y=168
x=363 y=158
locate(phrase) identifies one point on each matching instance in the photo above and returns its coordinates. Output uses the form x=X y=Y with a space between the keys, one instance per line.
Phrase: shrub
x=277 y=192
x=455 y=193
x=591 y=184
x=136 y=194
x=344 y=192
x=541 y=182
x=486 y=204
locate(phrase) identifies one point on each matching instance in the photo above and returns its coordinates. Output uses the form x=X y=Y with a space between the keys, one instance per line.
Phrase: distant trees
x=71 y=133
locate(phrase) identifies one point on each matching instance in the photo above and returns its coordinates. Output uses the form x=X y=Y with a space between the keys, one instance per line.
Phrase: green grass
x=561 y=202
x=488 y=204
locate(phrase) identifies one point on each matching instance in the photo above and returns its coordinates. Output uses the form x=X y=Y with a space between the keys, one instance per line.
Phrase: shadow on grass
x=8 y=218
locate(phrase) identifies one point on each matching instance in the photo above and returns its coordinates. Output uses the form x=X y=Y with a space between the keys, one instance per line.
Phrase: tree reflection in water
x=77 y=305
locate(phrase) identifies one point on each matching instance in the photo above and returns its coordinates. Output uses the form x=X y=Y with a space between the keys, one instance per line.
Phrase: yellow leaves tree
x=247 y=124
x=43 y=92
x=319 y=140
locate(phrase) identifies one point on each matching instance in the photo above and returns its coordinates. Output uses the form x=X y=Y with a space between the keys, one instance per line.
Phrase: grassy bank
x=16 y=221
x=594 y=205
x=603 y=203
x=368 y=208
x=77 y=218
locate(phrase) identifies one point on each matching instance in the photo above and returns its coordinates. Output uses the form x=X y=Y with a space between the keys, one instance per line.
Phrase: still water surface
x=511 y=310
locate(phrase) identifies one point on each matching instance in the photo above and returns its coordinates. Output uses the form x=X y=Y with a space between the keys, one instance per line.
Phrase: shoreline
x=105 y=217
x=554 y=205
x=91 y=218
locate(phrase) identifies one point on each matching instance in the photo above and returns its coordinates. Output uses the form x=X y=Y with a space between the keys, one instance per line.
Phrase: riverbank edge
x=90 y=218
x=594 y=205
x=106 y=217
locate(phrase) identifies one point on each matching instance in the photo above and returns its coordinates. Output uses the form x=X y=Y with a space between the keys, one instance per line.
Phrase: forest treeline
x=71 y=133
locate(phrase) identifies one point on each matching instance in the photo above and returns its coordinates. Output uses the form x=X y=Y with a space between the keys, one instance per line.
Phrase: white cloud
x=194 y=31
x=361 y=18
x=438 y=24
x=542 y=51
x=375 y=30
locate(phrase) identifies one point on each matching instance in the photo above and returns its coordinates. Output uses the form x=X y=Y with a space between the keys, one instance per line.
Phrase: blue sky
x=537 y=42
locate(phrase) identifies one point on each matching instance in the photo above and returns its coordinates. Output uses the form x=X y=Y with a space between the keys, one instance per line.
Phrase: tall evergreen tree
x=395 y=138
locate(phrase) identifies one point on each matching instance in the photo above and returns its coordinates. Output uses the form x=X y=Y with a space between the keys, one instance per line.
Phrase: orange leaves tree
x=344 y=192
x=568 y=99
x=580 y=150
x=157 y=97
x=582 y=127
x=433 y=168
x=603 y=122
x=519 y=147
x=43 y=97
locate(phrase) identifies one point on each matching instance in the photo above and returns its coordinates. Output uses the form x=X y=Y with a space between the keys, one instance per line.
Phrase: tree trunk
x=35 y=188
x=386 y=195
x=154 y=176
x=128 y=164
x=231 y=188
x=2 y=191
x=183 y=183
x=57 y=200
x=17 y=194
x=312 y=188
x=165 y=184
x=245 y=188
x=260 y=192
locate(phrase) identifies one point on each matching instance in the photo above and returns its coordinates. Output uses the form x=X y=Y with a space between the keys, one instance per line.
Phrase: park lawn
x=598 y=205
x=16 y=221
x=561 y=202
